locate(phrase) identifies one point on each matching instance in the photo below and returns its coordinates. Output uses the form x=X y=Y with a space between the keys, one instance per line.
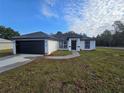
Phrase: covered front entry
x=30 y=47
x=73 y=44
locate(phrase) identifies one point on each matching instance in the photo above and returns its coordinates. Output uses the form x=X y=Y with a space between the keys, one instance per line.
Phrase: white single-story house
x=42 y=43
x=5 y=44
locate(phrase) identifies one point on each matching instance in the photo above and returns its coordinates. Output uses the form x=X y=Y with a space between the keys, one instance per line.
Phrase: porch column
x=14 y=47
x=78 y=45
x=69 y=44
x=46 y=46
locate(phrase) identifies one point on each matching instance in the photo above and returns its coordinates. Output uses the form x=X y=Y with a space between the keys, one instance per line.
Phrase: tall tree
x=104 y=39
x=116 y=39
x=119 y=26
x=59 y=33
x=7 y=33
x=99 y=40
x=84 y=35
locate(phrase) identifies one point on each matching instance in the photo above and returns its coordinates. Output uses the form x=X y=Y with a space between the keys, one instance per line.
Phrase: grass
x=61 y=53
x=5 y=52
x=100 y=71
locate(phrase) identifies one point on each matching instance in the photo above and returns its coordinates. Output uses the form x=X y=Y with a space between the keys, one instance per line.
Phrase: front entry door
x=73 y=45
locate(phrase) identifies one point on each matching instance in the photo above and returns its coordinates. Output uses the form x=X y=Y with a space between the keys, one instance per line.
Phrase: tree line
x=114 y=38
x=7 y=32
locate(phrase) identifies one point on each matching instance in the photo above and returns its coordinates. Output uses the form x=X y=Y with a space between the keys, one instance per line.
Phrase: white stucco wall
x=82 y=45
x=51 y=46
x=92 y=45
x=5 y=44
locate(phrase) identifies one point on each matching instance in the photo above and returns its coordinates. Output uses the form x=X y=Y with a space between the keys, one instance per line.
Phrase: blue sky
x=82 y=16
x=25 y=16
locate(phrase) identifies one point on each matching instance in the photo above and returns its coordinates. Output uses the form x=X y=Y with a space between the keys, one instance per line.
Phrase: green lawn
x=100 y=71
x=61 y=53
x=5 y=52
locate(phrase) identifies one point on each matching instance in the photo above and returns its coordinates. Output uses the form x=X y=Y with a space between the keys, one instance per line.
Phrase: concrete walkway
x=73 y=55
x=10 y=62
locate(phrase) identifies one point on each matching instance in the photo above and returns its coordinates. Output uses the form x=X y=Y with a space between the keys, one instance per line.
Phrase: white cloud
x=93 y=16
x=51 y=2
x=47 y=10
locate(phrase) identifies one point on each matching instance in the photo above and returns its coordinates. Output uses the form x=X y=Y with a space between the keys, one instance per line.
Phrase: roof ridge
x=35 y=33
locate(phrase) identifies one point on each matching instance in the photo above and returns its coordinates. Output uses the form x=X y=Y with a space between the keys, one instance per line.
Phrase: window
x=87 y=44
x=62 y=44
x=65 y=44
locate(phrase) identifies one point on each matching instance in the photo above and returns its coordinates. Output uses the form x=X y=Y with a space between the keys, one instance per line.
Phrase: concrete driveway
x=10 y=62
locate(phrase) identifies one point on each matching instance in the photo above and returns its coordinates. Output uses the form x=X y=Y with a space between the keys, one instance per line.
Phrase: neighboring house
x=42 y=43
x=5 y=44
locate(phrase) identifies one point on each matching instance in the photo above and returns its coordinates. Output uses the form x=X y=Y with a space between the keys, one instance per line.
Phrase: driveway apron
x=11 y=62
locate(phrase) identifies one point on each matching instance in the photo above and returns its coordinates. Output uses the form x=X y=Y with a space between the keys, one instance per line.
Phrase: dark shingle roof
x=35 y=35
x=42 y=35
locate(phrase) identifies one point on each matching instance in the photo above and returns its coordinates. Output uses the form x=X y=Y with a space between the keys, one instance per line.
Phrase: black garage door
x=30 y=47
